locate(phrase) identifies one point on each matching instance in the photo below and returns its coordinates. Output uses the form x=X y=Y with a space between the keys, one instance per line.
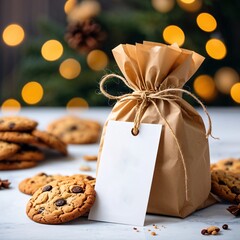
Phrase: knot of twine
x=144 y=98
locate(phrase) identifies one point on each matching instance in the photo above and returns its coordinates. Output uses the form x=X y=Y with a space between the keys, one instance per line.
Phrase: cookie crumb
x=90 y=158
x=212 y=230
x=134 y=228
x=85 y=168
x=153 y=234
x=4 y=183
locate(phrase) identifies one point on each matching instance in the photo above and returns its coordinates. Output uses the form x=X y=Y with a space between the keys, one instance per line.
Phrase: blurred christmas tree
x=74 y=68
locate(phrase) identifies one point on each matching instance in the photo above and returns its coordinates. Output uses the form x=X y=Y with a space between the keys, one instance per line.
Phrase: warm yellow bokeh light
x=206 y=22
x=235 y=92
x=173 y=34
x=76 y=103
x=163 y=6
x=52 y=50
x=225 y=78
x=69 y=6
x=32 y=92
x=70 y=68
x=97 y=60
x=188 y=1
x=13 y=35
x=10 y=106
x=190 y=5
x=204 y=87
x=216 y=49
x=84 y=10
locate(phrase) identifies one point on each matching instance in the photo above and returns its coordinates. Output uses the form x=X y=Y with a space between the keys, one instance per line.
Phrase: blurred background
x=54 y=52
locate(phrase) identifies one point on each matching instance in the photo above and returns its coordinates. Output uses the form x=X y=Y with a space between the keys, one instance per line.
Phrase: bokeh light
x=235 y=92
x=225 y=78
x=163 y=6
x=13 y=35
x=32 y=92
x=216 y=49
x=204 y=87
x=173 y=34
x=52 y=50
x=70 y=68
x=84 y=10
x=206 y=22
x=97 y=60
x=190 y=5
x=76 y=104
x=69 y=6
x=188 y=1
x=10 y=106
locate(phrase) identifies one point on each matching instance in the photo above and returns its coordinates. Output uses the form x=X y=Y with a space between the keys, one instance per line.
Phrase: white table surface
x=14 y=223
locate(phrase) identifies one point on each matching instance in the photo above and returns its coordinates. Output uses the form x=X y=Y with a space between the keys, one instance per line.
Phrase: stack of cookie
x=74 y=130
x=225 y=176
x=22 y=145
x=58 y=199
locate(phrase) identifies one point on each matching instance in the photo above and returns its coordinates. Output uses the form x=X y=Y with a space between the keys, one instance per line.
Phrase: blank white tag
x=125 y=173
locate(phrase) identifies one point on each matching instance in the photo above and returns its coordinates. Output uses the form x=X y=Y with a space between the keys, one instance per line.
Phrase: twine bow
x=144 y=98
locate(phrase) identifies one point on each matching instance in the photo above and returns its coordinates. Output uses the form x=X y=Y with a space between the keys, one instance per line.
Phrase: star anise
x=234 y=209
x=4 y=183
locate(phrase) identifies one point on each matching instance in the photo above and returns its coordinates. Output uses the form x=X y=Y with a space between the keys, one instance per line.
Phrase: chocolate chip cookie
x=7 y=149
x=32 y=184
x=226 y=185
x=27 y=153
x=17 y=124
x=229 y=164
x=60 y=201
x=14 y=165
x=51 y=141
x=74 y=130
x=18 y=137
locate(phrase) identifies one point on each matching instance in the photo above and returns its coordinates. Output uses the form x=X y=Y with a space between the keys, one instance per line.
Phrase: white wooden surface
x=15 y=225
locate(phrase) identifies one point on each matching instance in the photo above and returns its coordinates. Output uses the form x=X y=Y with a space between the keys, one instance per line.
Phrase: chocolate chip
x=204 y=232
x=42 y=174
x=235 y=190
x=40 y=210
x=32 y=181
x=47 y=188
x=228 y=163
x=77 y=189
x=11 y=125
x=234 y=209
x=72 y=128
x=225 y=226
x=60 y=202
x=1 y=121
x=90 y=178
x=221 y=182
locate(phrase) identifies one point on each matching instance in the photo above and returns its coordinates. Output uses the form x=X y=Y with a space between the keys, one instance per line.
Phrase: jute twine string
x=144 y=98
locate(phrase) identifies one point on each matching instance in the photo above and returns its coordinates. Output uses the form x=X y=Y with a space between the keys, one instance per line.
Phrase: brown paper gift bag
x=156 y=73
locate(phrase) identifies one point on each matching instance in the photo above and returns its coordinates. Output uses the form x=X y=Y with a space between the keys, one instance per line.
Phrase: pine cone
x=85 y=36
x=4 y=184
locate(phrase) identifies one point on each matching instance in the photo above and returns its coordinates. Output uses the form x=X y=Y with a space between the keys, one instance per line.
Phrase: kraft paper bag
x=156 y=74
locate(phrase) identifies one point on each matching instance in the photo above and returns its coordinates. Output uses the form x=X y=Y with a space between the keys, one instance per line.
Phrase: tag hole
x=134 y=134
